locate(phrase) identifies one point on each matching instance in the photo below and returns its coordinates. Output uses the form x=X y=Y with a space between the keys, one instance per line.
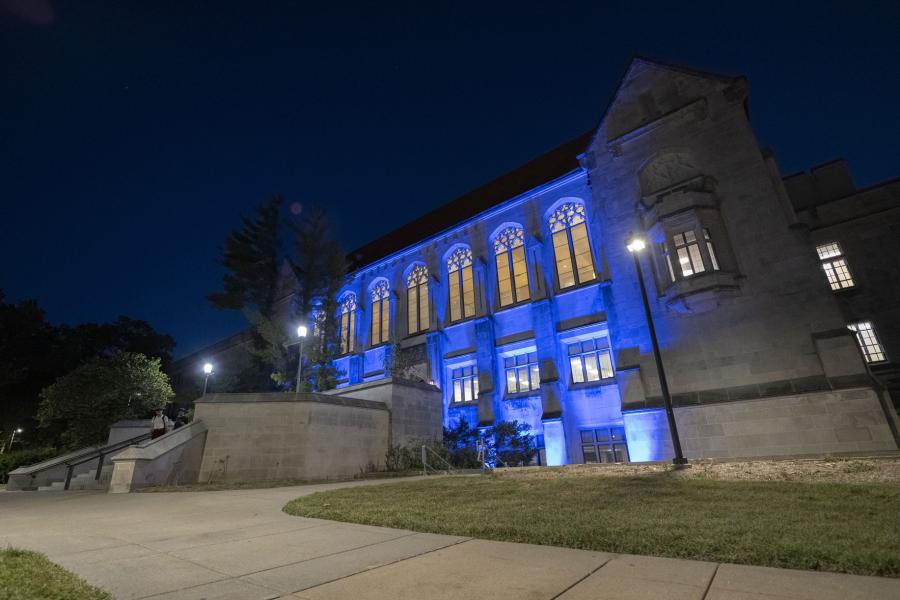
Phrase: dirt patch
x=819 y=470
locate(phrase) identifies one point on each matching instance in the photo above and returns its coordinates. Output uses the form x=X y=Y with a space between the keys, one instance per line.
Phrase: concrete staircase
x=83 y=481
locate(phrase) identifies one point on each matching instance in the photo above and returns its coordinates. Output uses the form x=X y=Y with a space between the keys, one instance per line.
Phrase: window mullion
x=575 y=274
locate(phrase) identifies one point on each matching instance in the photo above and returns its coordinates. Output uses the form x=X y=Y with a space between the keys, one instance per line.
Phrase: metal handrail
x=101 y=454
x=81 y=457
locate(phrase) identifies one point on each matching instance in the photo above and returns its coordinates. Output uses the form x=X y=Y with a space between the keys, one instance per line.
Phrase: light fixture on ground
x=207 y=369
x=301 y=333
x=636 y=244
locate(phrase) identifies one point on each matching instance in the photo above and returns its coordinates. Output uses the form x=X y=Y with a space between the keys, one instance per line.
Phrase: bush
x=10 y=461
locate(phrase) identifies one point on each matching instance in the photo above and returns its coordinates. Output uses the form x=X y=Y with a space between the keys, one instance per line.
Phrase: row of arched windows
x=572 y=256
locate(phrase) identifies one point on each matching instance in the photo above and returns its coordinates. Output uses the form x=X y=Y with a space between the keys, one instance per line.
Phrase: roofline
x=500 y=207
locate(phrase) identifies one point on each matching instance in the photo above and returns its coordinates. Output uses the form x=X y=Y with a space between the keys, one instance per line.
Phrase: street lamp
x=11 y=439
x=207 y=369
x=301 y=333
x=634 y=245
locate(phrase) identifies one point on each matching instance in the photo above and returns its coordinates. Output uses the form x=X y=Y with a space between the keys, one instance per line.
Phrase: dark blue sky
x=134 y=134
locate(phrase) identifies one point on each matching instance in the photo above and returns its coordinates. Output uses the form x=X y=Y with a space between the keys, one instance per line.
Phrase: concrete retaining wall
x=416 y=409
x=171 y=459
x=851 y=420
x=264 y=437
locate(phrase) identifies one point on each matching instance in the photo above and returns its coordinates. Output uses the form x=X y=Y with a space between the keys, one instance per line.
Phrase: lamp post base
x=679 y=462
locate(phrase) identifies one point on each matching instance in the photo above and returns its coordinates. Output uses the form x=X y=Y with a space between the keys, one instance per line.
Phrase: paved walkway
x=239 y=545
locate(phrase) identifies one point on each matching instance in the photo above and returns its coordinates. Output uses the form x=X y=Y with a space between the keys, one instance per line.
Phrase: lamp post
x=301 y=333
x=11 y=440
x=635 y=245
x=207 y=369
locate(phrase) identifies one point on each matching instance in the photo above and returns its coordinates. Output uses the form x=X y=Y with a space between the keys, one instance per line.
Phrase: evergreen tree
x=251 y=283
x=320 y=266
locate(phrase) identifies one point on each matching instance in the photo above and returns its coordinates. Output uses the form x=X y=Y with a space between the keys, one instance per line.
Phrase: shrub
x=10 y=461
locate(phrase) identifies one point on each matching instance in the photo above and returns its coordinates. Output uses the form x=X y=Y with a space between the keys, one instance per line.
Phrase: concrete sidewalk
x=239 y=545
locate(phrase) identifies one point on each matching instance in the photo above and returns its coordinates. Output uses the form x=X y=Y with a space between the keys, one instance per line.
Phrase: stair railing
x=100 y=454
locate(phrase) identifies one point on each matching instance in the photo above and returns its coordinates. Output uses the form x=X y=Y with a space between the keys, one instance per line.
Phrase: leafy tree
x=107 y=339
x=251 y=283
x=320 y=267
x=29 y=351
x=85 y=402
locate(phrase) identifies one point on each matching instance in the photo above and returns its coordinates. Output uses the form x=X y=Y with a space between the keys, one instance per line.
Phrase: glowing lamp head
x=18 y=430
x=635 y=244
x=208 y=368
x=301 y=331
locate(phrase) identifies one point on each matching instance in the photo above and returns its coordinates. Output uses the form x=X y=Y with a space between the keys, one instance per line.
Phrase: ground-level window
x=835 y=266
x=522 y=373
x=589 y=362
x=604 y=445
x=465 y=384
x=868 y=342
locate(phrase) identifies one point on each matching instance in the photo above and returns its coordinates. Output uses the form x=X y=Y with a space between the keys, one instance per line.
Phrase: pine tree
x=250 y=284
x=321 y=269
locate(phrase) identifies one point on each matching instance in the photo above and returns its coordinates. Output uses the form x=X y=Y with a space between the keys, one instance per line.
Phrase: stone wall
x=265 y=437
x=171 y=459
x=851 y=420
x=415 y=407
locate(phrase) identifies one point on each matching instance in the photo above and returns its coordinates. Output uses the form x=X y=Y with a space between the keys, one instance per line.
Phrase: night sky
x=134 y=134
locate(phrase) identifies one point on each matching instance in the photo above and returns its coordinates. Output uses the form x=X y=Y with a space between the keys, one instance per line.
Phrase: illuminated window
x=522 y=373
x=465 y=384
x=604 y=445
x=868 y=341
x=417 y=299
x=512 y=272
x=348 y=322
x=687 y=249
x=589 y=362
x=462 y=285
x=380 y=312
x=835 y=266
x=570 y=239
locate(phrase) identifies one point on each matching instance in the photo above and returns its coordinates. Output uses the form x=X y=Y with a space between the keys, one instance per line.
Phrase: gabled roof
x=555 y=163
x=551 y=165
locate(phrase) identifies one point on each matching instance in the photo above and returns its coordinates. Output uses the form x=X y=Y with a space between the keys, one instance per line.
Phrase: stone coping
x=380 y=382
x=760 y=391
x=153 y=449
x=290 y=397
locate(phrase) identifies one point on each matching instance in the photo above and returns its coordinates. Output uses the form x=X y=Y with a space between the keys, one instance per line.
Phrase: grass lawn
x=26 y=575
x=829 y=527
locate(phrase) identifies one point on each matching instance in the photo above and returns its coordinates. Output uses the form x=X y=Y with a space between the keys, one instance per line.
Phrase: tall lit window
x=522 y=373
x=462 y=284
x=380 y=312
x=868 y=341
x=512 y=272
x=604 y=445
x=589 y=362
x=348 y=322
x=318 y=322
x=465 y=384
x=687 y=248
x=570 y=240
x=835 y=266
x=417 y=299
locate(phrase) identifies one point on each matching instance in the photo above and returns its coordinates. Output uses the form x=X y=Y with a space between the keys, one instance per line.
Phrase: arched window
x=570 y=240
x=512 y=272
x=380 y=312
x=347 y=322
x=462 y=285
x=417 y=299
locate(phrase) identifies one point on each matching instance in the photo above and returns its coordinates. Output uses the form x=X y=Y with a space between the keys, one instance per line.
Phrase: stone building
x=776 y=300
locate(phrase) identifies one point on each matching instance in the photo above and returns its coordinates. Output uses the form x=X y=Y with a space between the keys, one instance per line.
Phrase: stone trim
x=515 y=337
x=769 y=389
x=289 y=397
x=574 y=323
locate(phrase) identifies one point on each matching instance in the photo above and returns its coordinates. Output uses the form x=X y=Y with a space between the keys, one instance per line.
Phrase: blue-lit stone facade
x=759 y=358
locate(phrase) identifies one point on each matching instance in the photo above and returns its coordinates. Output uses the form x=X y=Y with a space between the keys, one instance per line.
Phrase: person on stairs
x=159 y=424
